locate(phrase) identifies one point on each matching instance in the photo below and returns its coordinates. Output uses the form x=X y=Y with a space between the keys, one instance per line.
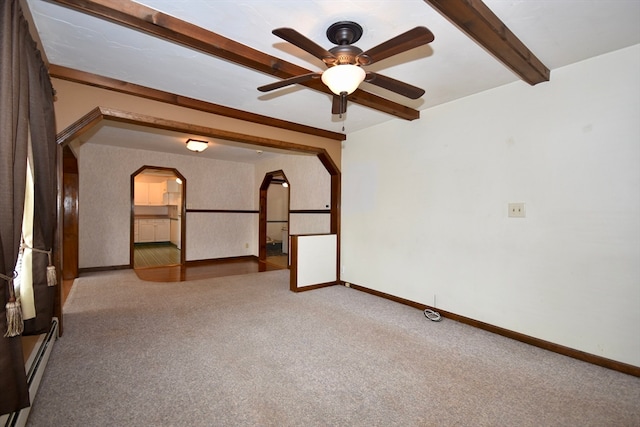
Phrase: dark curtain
x=26 y=107
x=43 y=146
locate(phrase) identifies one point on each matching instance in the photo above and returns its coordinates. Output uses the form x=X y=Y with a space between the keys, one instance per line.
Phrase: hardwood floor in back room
x=161 y=263
x=155 y=254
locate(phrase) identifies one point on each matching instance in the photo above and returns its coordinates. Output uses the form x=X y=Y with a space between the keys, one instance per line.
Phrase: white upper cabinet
x=141 y=193
x=173 y=186
x=149 y=194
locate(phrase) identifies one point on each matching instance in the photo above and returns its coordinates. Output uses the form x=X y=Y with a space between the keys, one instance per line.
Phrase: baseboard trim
x=107 y=268
x=191 y=263
x=312 y=287
x=537 y=342
x=221 y=260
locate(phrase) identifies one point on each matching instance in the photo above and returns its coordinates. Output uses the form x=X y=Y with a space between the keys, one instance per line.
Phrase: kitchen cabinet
x=141 y=193
x=172 y=192
x=175 y=232
x=152 y=230
x=146 y=231
x=156 y=191
x=163 y=230
x=172 y=186
x=149 y=193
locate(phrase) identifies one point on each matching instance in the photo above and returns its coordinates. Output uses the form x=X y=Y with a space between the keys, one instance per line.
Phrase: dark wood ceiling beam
x=95 y=116
x=482 y=25
x=151 y=21
x=108 y=83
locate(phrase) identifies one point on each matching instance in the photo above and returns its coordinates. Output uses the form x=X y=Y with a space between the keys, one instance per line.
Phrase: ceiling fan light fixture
x=343 y=78
x=197 y=145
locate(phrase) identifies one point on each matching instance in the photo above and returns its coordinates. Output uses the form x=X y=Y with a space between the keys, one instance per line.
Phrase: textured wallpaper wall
x=105 y=203
x=310 y=189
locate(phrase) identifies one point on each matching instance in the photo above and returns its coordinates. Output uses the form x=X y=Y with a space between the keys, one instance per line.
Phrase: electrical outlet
x=516 y=210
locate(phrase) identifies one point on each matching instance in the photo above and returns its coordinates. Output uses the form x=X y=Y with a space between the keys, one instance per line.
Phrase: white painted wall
x=316 y=260
x=424 y=207
x=105 y=204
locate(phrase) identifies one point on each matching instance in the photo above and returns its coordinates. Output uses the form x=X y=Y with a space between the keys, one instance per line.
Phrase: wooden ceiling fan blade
x=401 y=88
x=297 y=39
x=401 y=43
x=290 y=81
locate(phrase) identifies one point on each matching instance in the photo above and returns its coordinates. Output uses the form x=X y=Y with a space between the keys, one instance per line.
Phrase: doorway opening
x=274 y=221
x=157 y=212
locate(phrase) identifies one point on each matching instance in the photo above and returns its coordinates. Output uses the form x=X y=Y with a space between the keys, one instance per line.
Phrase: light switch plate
x=516 y=210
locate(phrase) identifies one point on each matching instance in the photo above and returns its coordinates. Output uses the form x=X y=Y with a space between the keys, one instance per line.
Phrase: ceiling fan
x=345 y=60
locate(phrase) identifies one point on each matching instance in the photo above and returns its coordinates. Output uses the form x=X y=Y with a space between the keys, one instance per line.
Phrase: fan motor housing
x=346 y=54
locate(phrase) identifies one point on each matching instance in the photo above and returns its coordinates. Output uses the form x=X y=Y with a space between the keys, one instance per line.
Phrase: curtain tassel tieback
x=15 y=325
x=52 y=278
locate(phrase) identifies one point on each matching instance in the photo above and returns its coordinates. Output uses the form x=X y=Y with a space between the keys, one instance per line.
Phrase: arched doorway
x=76 y=132
x=274 y=221
x=157 y=217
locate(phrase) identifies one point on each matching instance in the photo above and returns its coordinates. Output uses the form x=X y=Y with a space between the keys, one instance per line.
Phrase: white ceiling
x=558 y=32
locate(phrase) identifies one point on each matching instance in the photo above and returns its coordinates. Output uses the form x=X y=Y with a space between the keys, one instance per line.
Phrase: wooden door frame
x=262 y=225
x=70 y=190
x=98 y=114
x=183 y=216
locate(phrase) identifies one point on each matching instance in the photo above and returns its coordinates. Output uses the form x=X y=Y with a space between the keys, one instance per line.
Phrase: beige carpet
x=245 y=351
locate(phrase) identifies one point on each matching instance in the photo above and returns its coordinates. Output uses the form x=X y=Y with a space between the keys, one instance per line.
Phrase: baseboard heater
x=34 y=367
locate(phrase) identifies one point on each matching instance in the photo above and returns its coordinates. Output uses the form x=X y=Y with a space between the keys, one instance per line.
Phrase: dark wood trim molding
x=310 y=211
x=81 y=271
x=478 y=21
x=293 y=267
x=312 y=287
x=156 y=23
x=95 y=80
x=221 y=211
x=85 y=123
x=537 y=342
x=80 y=126
x=191 y=263
x=277 y=176
x=70 y=215
x=210 y=261
x=183 y=204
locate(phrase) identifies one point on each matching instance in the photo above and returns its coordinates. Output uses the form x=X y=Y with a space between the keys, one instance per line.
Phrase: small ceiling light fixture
x=178 y=180
x=285 y=184
x=343 y=78
x=197 y=145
